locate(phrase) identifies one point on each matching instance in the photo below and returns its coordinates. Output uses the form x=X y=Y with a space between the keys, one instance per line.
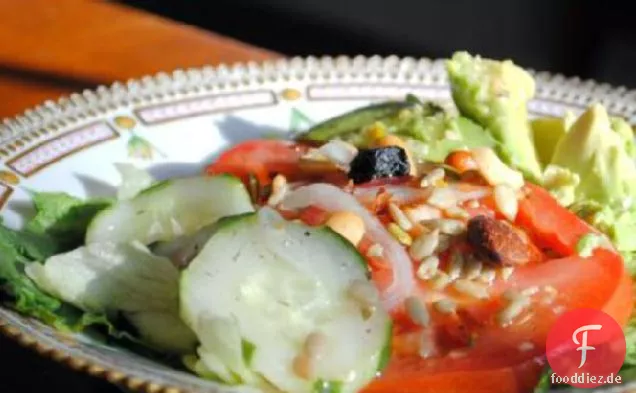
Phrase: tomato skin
x=261 y=158
x=540 y=214
x=493 y=362
x=313 y=215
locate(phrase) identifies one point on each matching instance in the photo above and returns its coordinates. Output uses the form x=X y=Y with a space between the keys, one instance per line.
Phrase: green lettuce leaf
x=57 y=215
x=63 y=218
x=125 y=279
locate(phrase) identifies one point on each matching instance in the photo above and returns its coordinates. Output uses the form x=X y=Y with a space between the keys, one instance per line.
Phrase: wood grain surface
x=50 y=48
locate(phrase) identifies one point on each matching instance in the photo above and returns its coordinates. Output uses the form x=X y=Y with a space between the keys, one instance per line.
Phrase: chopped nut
x=496 y=242
x=347 y=224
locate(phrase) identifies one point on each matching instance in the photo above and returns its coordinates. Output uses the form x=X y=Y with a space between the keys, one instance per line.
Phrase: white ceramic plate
x=175 y=123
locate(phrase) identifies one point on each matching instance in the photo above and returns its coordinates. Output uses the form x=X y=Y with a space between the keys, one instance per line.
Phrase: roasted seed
x=457 y=212
x=399 y=217
x=279 y=190
x=443 y=198
x=417 y=311
x=473 y=204
x=473 y=268
x=471 y=288
x=425 y=245
x=445 y=306
x=376 y=250
x=487 y=274
x=512 y=310
x=445 y=242
x=530 y=291
x=399 y=234
x=456 y=265
x=506 y=272
x=349 y=225
x=451 y=226
x=422 y=213
x=427 y=346
x=428 y=267
x=440 y=280
x=433 y=177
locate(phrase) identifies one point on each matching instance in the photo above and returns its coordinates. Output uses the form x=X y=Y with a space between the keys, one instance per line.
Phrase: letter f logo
x=584 y=347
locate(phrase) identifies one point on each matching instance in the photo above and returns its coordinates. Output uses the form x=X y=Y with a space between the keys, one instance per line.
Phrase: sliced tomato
x=473 y=352
x=541 y=214
x=262 y=158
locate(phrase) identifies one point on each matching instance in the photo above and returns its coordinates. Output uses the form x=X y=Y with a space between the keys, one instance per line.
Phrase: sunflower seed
x=443 y=198
x=427 y=346
x=376 y=250
x=455 y=266
x=515 y=307
x=399 y=234
x=457 y=212
x=450 y=226
x=433 y=177
x=417 y=311
x=425 y=245
x=279 y=189
x=428 y=267
x=506 y=272
x=399 y=217
x=422 y=213
x=473 y=204
x=530 y=291
x=487 y=275
x=440 y=280
x=471 y=288
x=473 y=268
x=445 y=306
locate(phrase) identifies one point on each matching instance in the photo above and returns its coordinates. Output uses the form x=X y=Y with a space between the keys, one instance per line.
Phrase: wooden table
x=49 y=48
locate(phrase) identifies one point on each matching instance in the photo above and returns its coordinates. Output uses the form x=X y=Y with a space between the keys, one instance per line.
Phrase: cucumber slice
x=299 y=296
x=170 y=209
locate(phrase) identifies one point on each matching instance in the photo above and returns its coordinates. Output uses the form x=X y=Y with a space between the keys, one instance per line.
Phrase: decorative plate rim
x=91 y=104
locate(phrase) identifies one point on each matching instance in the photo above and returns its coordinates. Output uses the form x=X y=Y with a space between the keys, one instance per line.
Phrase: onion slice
x=407 y=195
x=332 y=198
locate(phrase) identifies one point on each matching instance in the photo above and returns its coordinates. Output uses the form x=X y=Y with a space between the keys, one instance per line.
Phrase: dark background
x=590 y=39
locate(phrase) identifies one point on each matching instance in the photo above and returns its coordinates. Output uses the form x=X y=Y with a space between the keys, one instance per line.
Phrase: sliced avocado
x=594 y=151
x=495 y=94
x=546 y=132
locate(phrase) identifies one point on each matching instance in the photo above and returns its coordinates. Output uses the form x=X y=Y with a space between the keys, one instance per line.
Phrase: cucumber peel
x=170 y=209
x=261 y=286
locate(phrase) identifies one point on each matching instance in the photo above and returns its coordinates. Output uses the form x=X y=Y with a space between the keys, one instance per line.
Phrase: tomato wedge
x=470 y=348
x=473 y=351
x=262 y=158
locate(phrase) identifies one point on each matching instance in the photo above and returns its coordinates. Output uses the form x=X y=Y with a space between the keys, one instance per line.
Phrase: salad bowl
x=174 y=124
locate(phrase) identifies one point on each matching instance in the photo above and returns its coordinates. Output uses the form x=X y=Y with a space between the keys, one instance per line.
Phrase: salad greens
x=114 y=264
x=112 y=278
x=59 y=224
